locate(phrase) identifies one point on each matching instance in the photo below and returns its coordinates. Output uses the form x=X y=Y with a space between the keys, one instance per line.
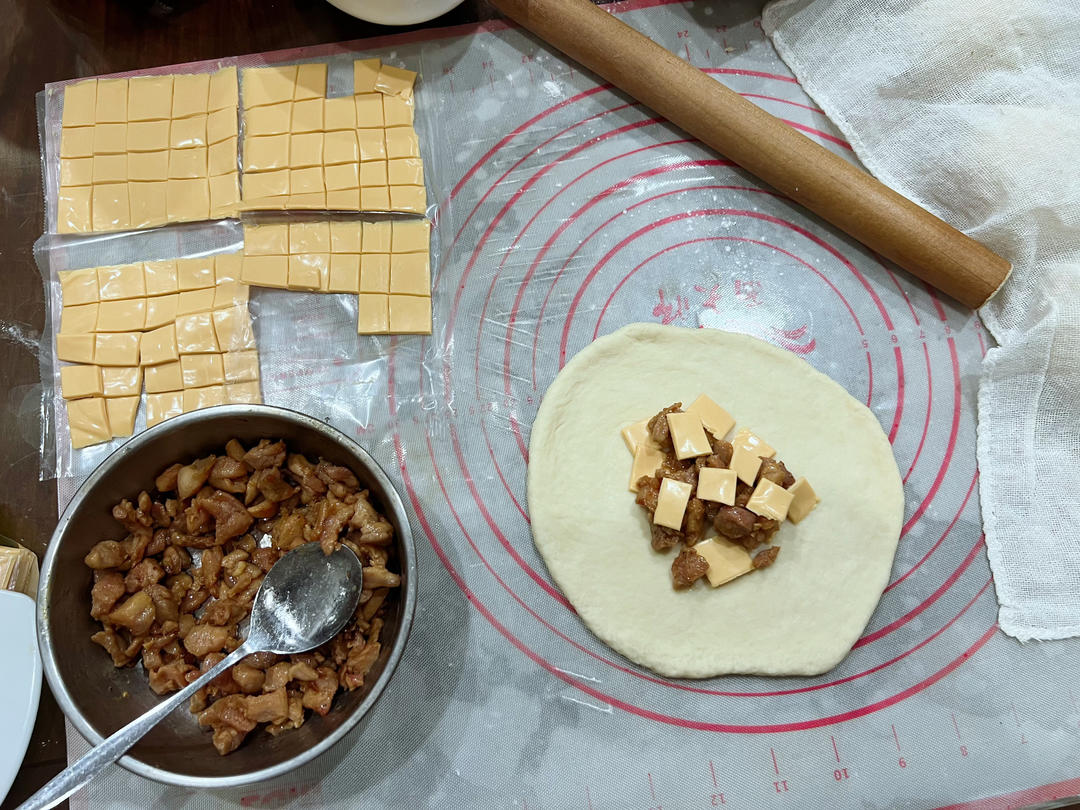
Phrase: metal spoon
x=305 y=600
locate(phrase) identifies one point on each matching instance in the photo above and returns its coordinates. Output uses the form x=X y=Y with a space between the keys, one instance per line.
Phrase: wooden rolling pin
x=828 y=185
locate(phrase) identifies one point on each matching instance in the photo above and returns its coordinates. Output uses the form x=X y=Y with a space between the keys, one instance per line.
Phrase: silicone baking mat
x=566 y=210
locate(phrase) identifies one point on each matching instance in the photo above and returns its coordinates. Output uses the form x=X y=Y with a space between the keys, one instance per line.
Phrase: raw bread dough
x=799 y=617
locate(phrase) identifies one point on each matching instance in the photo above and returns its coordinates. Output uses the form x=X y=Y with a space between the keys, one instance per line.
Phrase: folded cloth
x=972 y=110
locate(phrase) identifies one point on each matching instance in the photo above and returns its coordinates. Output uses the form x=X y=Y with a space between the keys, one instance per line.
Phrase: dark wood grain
x=49 y=40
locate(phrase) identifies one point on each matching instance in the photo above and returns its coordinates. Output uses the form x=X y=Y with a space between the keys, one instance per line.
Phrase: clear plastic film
x=565 y=211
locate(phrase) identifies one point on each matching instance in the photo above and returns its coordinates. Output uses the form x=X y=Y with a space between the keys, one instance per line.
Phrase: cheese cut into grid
x=304 y=150
x=132 y=135
x=122 y=335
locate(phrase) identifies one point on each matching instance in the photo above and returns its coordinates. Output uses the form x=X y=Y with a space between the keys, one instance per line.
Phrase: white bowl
x=20 y=673
x=395 y=12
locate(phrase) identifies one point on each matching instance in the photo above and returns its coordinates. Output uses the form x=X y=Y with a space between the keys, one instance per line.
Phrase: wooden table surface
x=49 y=40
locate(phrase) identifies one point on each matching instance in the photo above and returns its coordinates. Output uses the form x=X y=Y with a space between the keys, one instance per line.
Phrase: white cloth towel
x=972 y=109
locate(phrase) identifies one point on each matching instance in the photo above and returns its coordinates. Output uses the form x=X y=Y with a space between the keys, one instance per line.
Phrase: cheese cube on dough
x=671 y=503
x=753 y=443
x=688 y=435
x=717 y=485
x=726 y=560
x=803 y=500
x=715 y=419
x=745 y=464
x=769 y=500
x=647 y=458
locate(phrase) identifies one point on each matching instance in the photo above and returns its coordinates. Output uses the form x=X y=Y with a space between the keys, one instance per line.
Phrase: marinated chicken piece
x=166 y=607
x=766 y=557
x=174 y=559
x=319 y=693
x=191 y=478
x=205 y=638
x=288 y=531
x=648 y=490
x=114 y=646
x=265 y=454
x=360 y=660
x=228 y=475
x=374 y=529
x=230 y=722
x=106 y=554
x=664 y=538
x=231 y=519
x=166 y=482
x=734 y=522
x=333 y=517
x=721 y=449
x=694 y=522
x=170 y=677
x=272 y=486
x=143 y=575
x=775 y=471
x=658 y=427
x=136 y=614
x=250 y=679
x=339 y=480
x=688 y=568
x=107 y=590
x=272 y=707
x=303 y=471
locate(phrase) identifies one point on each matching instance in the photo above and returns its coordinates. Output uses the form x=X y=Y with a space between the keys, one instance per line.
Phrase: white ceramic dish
x=395 y=12
x=20 y=673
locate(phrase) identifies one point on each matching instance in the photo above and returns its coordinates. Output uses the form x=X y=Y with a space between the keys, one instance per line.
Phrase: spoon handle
x=108 y=751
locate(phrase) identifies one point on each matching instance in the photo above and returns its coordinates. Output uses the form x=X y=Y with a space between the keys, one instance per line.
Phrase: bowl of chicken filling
x=150 y=577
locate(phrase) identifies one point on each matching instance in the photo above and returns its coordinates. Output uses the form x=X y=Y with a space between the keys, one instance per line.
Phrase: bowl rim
x=392 y=502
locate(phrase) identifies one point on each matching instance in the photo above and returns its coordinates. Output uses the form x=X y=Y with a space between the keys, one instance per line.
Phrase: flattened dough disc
x=799 y=617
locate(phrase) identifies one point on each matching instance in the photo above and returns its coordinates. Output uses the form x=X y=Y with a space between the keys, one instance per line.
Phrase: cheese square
x=745 y=464
x=753 y=443
x=347 y=199
x=266 y=152
x=158 y=346
x=80 y=381
x=192 y=301
x=410 y=314
x=372 y=143
x=266 y=240
x=191 y=95
x=185 y=133
x=117 y=349
x=196 y=398
x=232 y=326
x=401 y=142
x=78 y=286
x=221 y=157
x=110 y=139
x=227 y=267
x=126 y=315
x=78 y=320
x=378 y=237
x=340 y=147
x=147 y=201
x=121 y=281
x=266 y=271
x=148 y=166
x=412 y=236
x=308 y=201
x=246 y=393
x=412 y=199
x=305 y=150
x=199 y=370
x=160 y=407
x=373 y=173
x=307 y=116
x=410 y=274
x=80 y=104
x=73 y=210
x=149 y=98
x=635 y=434
x=307 y=271
x=77 y=142
x=365 y=74
x=309 y=237
x=187 y=200
x=241 y=366
x=769 y=500
x=161 y=310
x=714 y=418
x=345 y=176
x=110 y=168
x=803 y=500
x=717 y=485
x=346 y=236
x=339 y=113
x=727 y=560
x=306 y=181
x=224 y=91
x=265 y=184
x=397 y=111
x=230 y=293
x=224 y=195
x=375 y=199
x=647 y=459
x=671 y=503
x=147 y=136
x=395 y=81
x=159 y=277
x=405 y=172
x=221 y=126
x=75 y=348
x=88 y=422
x=368 y=110
x=122 y=381
x=688 y=435
x=310 y=81
x=195 y=274
x=111 y=106
x=273 y=120
x=187 y=163
x=375 y=273
x=344 y=273
x=373 y=314
x=165 y=377
x=121 y=412
x=195 y=334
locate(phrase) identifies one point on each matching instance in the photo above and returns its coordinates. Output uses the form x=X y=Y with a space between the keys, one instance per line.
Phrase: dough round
x=799 y=617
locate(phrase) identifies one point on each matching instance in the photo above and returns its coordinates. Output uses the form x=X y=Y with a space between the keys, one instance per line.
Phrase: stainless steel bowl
x=98 y=698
